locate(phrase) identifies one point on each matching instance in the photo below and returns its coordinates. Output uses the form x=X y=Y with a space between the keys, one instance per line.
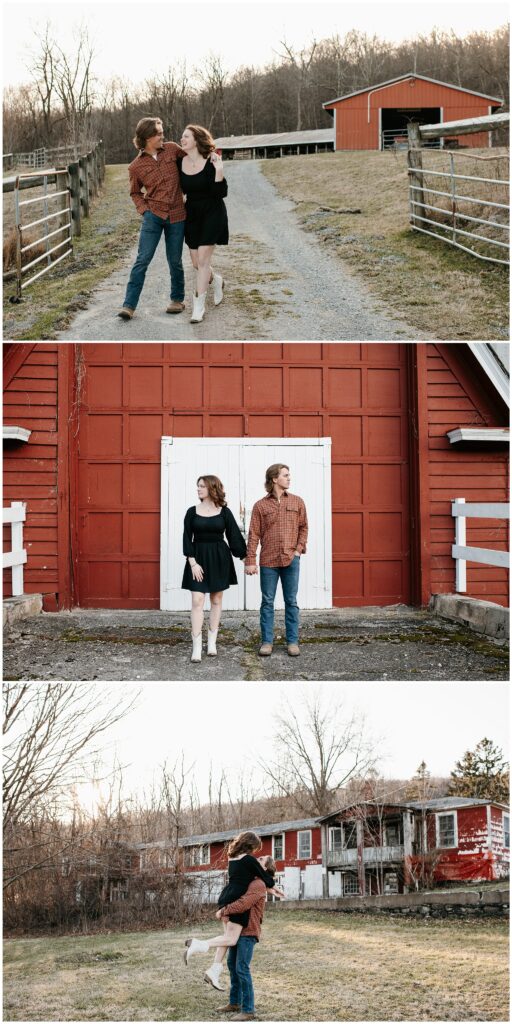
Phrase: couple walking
x=178 y=190
x=241 y=907
x=278 y=523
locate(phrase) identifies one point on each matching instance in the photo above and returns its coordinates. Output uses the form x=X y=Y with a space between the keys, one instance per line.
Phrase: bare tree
x=301 y=62
x=317 y=753
x=49 y=733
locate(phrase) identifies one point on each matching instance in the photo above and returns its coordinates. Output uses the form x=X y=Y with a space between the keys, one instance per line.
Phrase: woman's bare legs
x=215 y=609
x=197 y=613
x=204 y=269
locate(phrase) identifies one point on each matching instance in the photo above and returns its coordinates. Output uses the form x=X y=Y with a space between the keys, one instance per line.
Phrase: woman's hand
x=219 y=166
x=197 y=572
x=218 y=914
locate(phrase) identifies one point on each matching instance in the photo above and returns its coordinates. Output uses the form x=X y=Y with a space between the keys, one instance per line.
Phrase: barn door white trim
x=241 y=464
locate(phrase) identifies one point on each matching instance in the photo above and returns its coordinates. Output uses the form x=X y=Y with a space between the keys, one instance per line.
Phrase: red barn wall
x=30 y=468
x=354 y=132
x=456 y=396
x=219 y=859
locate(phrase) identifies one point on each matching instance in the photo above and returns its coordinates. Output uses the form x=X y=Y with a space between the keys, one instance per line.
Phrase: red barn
x=379 y=437
x=374 y=849
x=295 y=846
x=377 y=116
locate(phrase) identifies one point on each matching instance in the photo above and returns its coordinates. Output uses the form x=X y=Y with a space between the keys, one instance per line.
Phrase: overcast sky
x=146 y=38
x=230 y=725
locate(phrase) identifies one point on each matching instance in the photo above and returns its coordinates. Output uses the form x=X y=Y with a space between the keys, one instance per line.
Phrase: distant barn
x=263 y=147
x=377 y=117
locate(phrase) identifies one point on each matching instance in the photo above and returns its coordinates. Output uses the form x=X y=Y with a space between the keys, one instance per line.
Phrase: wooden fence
x=469 y=211
x=463 y=554
x=75 y=186
x=15 y=559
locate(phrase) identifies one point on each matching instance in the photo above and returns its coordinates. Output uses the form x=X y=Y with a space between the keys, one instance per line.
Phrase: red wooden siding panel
x=355 y=393
x=475 y=475
x=30 y=468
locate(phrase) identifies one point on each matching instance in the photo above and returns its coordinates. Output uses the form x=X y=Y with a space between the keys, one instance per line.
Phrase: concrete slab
x=346 y=644
x=483 y=616
x=23 y=607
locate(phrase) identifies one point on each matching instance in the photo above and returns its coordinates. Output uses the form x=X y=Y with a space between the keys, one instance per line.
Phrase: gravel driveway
x=281 y=284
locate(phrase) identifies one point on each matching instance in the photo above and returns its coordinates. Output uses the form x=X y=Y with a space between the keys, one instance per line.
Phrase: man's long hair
x=146 y=128
x=271 y=474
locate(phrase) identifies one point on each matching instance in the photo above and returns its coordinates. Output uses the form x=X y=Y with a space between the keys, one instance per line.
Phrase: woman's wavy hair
x=270 y=865
x=245 y=842
x=204 y=141
x=273 y=471
x=146 y=128
x=216 y=491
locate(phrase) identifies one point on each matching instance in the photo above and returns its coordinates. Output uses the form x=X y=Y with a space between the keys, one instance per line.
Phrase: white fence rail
x=463 y=554
x=454 y=207
x=16 y=558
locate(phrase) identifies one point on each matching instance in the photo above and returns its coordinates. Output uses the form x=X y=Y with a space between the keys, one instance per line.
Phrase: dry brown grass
x=310 y=965
x=442 y=292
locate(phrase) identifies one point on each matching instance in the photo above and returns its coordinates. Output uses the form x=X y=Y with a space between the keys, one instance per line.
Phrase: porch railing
x=16 y=558
x=461 y=511
x=371 y=855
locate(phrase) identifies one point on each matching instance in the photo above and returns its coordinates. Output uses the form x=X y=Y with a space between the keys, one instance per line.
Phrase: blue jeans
x=289 y=576
x=150 y=234
x=241 y=992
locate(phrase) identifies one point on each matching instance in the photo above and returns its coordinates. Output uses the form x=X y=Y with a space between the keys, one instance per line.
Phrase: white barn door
x=241 y=463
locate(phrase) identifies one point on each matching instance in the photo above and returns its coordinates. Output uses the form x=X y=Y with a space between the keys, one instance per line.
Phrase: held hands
x=251 y=570
x=197 y=572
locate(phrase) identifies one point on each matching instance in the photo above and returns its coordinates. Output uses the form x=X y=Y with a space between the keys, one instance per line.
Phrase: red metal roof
x=403 y=78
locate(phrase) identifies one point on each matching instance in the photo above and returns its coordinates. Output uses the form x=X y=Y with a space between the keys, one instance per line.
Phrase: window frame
x=282 y=837
x=447 y=814
x=303 y=832
x=506 y=814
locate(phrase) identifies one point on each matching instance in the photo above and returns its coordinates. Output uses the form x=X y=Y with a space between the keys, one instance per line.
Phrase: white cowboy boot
x=195 y=946
x=212 y=642
x=218 y=288
x=198 y=308
x=197 y=643
x=212 y=976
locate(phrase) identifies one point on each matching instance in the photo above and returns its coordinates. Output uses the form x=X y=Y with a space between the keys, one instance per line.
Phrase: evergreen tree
x=482 y=772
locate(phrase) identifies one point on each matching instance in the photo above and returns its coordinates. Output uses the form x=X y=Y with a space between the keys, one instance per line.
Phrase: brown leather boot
x=175 y=307
x=229 y=1008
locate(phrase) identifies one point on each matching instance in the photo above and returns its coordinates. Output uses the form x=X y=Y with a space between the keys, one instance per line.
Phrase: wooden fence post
x=90 y=174
x=101 y=151
x=76 y=208
x=415 y=163
x=84 y=185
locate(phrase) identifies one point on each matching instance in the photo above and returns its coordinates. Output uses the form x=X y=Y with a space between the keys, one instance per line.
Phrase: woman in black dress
x=209 y=568
x=204 y=186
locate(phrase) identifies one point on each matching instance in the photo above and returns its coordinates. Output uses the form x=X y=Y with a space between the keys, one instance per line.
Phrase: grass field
x=442 y=292
x=310 y=965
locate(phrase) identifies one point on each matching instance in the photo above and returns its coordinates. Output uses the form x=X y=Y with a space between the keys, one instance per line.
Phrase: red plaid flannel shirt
x=161 y=181
x=280 y=526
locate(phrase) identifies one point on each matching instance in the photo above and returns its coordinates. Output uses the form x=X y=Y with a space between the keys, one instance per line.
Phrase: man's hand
x=251 y=570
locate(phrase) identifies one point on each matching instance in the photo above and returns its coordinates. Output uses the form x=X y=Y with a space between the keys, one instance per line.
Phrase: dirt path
x=281 y=284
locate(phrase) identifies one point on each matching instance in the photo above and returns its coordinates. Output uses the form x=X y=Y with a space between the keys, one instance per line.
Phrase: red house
x=374 y=849
x=380 y=439
x=376 y=117
x=294 y=845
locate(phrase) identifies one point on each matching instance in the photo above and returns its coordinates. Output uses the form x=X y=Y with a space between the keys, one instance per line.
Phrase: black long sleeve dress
x=241 y=873
x=207 y=218
x=203 y=539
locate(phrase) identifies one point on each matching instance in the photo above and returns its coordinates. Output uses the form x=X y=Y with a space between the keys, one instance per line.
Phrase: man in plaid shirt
x=161 y=207
x=280 y=524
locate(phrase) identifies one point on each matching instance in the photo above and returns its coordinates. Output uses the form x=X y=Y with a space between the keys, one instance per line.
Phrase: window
x=506 y=831
x=335 y=840
x=350 y=885
x=118 y=891
x=304 y=845
x=392 y=833
x=278 y=847
x=446 y=830
x=350 y=834
x=197 y=855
